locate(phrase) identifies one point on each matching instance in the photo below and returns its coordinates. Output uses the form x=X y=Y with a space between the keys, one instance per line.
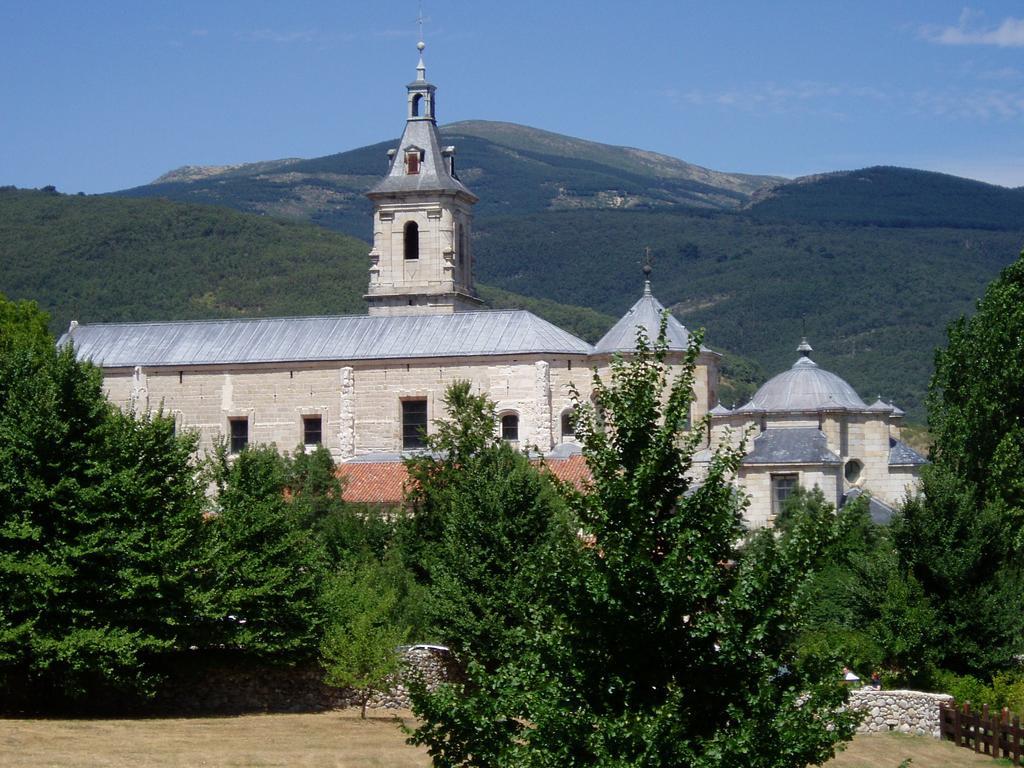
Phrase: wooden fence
x=997 y=735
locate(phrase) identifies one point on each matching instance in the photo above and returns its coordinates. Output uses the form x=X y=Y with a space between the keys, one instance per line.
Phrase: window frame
x=504 y=429
x=776 y=478
x=413 y=441
x=235 y=447
x=566 y=429
x=304 y=423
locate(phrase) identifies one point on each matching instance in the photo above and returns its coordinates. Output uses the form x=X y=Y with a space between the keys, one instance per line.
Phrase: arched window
x=852 y=470
x=412 y=240
x=568 y=431
x=416 y=104
x=510 y=427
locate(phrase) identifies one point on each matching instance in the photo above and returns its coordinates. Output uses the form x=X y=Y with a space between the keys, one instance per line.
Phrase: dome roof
x=645 y=314
x=805 y=387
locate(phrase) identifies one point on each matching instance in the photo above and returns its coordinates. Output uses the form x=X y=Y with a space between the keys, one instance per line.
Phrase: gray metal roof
x=565 y=450
x=433 y=173
x=719 y=410
x=880 y=406
x=805 y=387
x=301 y=339
x=645 y=314
x=901 y=454
x=881 y=513
x=796 y=445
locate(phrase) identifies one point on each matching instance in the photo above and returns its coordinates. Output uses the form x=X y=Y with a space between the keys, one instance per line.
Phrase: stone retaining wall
x=219 y=685
x=903 y=711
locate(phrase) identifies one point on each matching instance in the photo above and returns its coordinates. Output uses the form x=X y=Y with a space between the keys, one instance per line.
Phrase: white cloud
x=987 y=104
x=840 y=102
x=970 y=30
x=808 y=97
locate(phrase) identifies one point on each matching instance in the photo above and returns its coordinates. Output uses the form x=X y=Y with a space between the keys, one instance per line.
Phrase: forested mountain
x=874 y=262
x=512 y=168
x=892 y=197
x=102 y=259
x=875 y=301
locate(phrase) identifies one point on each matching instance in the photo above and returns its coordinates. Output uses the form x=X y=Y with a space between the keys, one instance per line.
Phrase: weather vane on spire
x=421 y=70
x=647 y=268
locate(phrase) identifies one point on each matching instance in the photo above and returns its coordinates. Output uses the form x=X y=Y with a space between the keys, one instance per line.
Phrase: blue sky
x=97 y=96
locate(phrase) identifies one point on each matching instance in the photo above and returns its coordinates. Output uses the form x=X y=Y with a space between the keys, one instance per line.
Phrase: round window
x=853 y=469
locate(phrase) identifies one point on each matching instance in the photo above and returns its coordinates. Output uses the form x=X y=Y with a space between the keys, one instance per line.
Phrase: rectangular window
x=312 y=430
x=414 y=423
x=782 y=487
x=413 y=160
x=239 y=434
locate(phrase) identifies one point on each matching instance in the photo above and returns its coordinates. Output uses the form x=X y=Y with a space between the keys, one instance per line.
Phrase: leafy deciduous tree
x=963 y=536
x=652 y=638
x=99 y=526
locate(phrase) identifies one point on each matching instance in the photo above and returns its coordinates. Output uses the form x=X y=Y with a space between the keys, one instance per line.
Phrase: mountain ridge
x=877 y=267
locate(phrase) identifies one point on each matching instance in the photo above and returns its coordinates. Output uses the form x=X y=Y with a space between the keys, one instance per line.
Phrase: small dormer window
x=412 y=162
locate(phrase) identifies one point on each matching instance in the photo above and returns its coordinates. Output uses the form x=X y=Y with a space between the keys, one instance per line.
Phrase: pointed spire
x=647 y=269
x=421 y=68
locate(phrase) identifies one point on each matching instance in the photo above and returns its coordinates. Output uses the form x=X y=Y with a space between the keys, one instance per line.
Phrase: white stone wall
x=911 y=712
x=359 y=403
x=756 y=481
x=860 y=436
x=444 y=266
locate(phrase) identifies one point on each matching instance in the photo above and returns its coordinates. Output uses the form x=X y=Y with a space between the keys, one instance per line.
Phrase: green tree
x=436 y=476
x=360 y=647
x=99 y=526
x=653 y=637
x=496 y=522
x=860 y=605
x=963 y=536
x=264 y=569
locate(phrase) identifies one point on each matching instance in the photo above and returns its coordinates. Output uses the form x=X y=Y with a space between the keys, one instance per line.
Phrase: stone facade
x=822 y=436
x=910 y=712
x=360 y=403
x=237 y=376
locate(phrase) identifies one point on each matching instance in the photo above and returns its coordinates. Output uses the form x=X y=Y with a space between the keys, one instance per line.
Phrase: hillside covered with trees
x=876 y=262
x=105 y=259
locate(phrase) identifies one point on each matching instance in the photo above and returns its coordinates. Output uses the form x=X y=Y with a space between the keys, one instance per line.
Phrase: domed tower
x=646 y=315
x=421 y=261
x=808 y=427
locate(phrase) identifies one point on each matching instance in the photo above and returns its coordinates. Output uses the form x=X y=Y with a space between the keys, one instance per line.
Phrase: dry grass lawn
x=888 y=750
x=328 y=739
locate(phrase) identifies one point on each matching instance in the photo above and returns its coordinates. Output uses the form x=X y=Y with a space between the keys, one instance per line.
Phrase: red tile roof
x=384 y=482
x=572 y=470
x=377 y=482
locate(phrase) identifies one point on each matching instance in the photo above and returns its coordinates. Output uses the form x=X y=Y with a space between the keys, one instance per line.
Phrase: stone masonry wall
x=911 y=712
x=218 y=686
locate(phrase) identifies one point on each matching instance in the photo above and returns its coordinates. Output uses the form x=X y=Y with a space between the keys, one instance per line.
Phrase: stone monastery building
x=367 y=386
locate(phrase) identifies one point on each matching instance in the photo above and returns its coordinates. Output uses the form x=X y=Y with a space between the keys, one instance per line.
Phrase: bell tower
x=421 y=262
